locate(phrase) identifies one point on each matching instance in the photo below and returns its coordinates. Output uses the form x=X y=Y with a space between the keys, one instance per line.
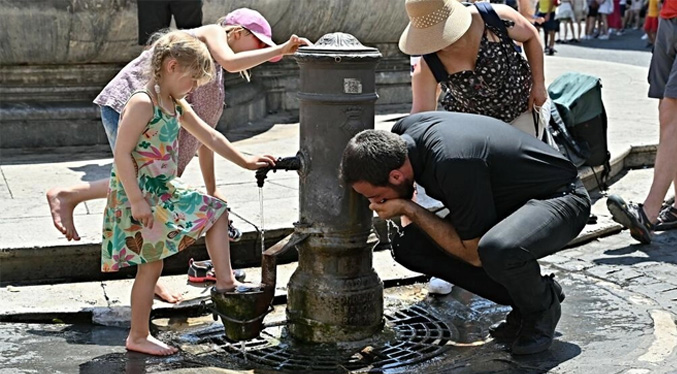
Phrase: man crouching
x=512 y=200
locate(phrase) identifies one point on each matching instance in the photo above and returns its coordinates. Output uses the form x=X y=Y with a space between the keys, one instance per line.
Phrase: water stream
x=263 y=242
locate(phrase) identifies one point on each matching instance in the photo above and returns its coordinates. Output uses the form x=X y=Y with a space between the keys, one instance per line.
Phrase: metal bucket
x=241 y=313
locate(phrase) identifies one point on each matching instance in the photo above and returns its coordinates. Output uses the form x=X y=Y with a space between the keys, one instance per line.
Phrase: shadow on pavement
x=660 y=250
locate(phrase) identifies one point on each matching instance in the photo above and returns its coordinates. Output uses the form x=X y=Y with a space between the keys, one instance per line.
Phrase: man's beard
x=404 y=190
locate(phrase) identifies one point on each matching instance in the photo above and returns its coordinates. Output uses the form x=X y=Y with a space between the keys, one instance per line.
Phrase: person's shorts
x=663 y=68
x=651 y=24
x=551 y=25
x=110 y=119
x=155 y=15
x=593 y=12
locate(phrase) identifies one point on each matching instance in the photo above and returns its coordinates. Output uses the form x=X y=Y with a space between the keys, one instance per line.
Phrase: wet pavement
x=618 y=317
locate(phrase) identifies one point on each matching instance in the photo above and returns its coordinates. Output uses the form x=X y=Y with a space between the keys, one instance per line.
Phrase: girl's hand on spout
x=257 y=162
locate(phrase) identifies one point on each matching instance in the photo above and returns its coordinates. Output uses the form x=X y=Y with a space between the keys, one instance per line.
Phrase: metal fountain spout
x=282 y=163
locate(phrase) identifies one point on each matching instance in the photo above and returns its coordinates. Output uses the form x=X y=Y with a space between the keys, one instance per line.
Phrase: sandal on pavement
x=667 y=219
x=632 y=217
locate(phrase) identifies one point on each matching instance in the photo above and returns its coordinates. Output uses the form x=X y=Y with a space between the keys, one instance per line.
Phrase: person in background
x=651 y=22
x=155 y=15
x=632 y=18
x=652 y=215
x=592 y=29
x=581 y=13
x=605 y=9
x=546 y=10
x=565 y=14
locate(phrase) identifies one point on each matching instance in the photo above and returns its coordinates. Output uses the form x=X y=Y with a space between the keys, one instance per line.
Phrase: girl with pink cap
x=237 y=42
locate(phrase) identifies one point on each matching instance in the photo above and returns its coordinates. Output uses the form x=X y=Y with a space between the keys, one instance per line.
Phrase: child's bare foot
x=149 y=345
x=61 y=207
x=231 y=286
x=165 y=294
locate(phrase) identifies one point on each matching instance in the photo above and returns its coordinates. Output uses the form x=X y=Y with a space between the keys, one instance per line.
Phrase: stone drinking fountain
x=335 y=295
x=335 y=318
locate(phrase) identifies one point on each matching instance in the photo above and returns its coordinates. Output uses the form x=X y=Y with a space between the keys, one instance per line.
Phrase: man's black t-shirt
x=480 y=168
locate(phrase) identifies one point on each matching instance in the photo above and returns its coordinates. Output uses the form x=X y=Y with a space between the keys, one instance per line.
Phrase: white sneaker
x=439 y=286
x=603 y=37
x=645 y=37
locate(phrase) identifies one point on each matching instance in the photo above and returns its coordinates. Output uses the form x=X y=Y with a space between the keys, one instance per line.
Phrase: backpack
x=578 y=101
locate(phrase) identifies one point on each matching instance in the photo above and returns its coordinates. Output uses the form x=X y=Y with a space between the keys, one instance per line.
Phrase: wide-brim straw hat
x=433 y=25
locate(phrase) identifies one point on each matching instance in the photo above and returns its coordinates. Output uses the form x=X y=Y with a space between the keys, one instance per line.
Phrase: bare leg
x=139 y=338
x=665 y=167
x=219 y=252
x=62 y=202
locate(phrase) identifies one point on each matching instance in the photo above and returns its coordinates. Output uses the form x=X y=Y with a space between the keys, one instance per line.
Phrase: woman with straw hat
x=476 y=63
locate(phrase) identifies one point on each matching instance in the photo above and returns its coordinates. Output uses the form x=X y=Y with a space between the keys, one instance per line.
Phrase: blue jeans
x=110 y=119
x=510 y=273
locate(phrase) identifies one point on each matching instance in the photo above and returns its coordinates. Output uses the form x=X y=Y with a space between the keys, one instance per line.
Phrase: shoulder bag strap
x=436 y=66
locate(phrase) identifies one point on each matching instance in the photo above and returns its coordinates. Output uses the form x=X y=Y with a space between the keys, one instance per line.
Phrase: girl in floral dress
x=150 y=214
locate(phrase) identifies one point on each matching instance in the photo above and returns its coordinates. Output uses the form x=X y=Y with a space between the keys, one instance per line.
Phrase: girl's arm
x=217 y=41
x=424 y=89
x=525 y=32
x=206 y=159
x=218 y=143
x=133 y=120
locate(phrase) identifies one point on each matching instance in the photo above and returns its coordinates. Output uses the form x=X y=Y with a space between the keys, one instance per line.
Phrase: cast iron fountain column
x=335 y=295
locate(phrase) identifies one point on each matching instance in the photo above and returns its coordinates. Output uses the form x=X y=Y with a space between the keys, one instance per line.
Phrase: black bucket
x=241 y=313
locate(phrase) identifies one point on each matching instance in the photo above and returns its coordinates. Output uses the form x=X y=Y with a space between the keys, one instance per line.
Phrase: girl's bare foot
x=61 y=207
x=231 y=286
x=165 y=294
x=149 y=345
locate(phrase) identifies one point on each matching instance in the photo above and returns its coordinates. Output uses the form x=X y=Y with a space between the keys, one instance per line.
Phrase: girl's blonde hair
x=191 y=54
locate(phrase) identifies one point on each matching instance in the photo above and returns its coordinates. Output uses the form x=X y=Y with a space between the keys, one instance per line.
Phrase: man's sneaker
x=439 y=286
x=632 y=217
x=203 y=271
x=234 y=235
x=508 y=330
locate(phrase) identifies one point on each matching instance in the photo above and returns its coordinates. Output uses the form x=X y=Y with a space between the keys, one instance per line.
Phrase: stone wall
x=56 y=55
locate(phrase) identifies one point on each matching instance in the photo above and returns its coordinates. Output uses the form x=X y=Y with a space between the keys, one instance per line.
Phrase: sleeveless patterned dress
x=181 y=215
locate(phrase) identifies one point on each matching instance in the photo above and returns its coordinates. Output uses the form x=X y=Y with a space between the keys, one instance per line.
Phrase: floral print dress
x=181 y=214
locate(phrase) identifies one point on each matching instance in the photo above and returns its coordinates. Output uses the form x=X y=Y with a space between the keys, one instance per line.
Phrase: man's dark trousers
x=510 y=274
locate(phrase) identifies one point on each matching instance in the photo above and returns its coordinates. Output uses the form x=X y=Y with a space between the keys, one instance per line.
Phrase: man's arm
x=441 y=231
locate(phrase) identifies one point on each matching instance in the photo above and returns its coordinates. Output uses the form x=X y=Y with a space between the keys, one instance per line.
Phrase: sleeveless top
x=499 y=86
x=207 y=100
x=181 y=214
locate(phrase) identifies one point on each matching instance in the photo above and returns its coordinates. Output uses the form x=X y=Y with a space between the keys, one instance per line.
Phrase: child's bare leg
x=139 y=338
x=62 y=202
x=219 y=252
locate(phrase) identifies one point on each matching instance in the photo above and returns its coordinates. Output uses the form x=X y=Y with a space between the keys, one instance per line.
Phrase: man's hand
x=390 y=208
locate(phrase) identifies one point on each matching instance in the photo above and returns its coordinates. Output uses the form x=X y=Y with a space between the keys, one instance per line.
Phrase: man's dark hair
x=371 y=155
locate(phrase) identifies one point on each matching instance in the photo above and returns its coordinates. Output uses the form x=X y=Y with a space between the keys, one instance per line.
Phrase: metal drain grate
x=419 y=336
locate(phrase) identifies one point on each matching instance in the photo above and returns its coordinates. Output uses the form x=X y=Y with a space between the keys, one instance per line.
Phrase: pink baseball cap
x=255 y=23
